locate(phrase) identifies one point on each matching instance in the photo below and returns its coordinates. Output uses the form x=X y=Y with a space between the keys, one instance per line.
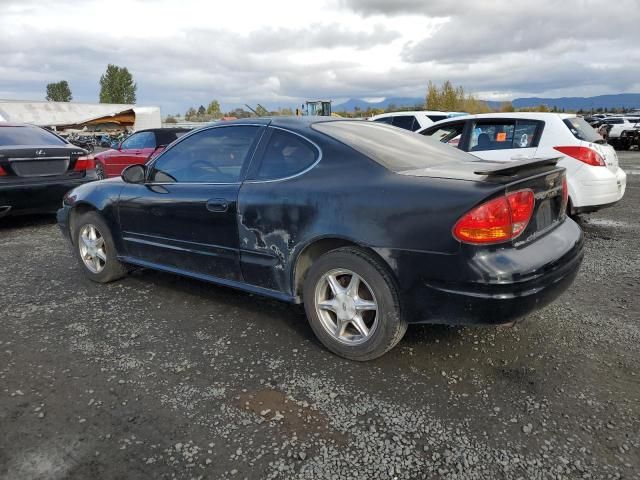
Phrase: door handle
x=217 y=205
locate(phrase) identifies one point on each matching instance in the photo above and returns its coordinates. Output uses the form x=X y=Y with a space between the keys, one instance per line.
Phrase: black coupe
x=370 y=226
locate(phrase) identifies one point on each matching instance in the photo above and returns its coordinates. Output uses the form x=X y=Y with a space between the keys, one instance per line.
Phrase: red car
x=136 y=149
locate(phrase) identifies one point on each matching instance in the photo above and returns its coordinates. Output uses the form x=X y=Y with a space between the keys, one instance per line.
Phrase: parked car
x=618 y=128
x=629 y=138
x=136 y=149
x=413 y=120
x=594 y=177
x=370 y=226
x=37 y=167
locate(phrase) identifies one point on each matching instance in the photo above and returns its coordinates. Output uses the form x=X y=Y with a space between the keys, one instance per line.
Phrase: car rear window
x=396 y=149
x=582 y=130
x=28 y=136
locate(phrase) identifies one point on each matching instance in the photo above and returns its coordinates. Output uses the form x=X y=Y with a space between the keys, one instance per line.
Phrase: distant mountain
x=400 y=102
x=620 y=100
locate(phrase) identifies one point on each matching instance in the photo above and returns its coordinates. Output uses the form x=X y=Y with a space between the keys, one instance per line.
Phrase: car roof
x=415 y=112
x=514 y=115
x=170 y=129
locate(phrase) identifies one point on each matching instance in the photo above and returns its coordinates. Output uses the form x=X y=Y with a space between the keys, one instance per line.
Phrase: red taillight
x=85 y=163
x=498 y=220
x=2 y=172
x=584 y=154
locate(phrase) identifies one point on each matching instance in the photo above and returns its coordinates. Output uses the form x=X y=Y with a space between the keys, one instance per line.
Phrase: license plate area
x=40 y=168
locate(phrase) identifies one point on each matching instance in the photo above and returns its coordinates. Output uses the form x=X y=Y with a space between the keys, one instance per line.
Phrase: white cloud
x=281 y=52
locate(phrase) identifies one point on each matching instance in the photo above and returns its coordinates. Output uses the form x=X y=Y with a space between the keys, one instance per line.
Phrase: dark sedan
x=37 y=168
x=370 y=226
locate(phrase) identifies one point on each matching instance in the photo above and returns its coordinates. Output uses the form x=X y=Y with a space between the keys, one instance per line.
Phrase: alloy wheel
x=346 y=306
x=92 y=248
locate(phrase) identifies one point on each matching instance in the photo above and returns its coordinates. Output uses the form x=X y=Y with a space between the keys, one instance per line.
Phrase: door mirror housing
x=134 y=174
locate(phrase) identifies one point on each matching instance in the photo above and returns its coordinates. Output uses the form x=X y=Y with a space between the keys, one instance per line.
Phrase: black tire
x=100 y=171
x=113 y=269
x=390 y=328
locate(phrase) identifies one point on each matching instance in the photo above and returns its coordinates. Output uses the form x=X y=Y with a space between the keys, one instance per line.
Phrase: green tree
x=59 y=92
x=433 y=97
x=190 y=114
x=201 y=110
x=214 y=109
x=117 y=86
x=449 y=98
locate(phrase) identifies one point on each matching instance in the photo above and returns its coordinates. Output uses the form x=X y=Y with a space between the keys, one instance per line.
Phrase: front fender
x=101 y=196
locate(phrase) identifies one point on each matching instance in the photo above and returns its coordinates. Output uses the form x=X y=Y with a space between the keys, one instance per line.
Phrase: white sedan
x=594 y=177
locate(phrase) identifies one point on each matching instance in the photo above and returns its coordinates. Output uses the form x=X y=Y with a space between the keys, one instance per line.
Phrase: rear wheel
x=352 y=304
x=95 y=249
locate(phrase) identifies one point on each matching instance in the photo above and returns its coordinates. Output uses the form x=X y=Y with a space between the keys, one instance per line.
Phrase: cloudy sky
x=187 y=52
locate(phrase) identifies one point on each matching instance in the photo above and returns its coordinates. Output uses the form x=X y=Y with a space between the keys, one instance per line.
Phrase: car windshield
x=28 y=136
x=582 y=130
x=396 y=149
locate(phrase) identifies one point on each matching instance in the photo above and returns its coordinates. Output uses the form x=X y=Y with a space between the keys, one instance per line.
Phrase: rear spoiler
x=509 y=168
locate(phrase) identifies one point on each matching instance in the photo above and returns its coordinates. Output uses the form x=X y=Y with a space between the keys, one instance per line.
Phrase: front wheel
x=352 y=304
x=95 y=249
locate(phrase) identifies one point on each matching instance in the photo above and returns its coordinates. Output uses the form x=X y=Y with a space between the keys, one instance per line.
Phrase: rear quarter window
x=286 y=155
x=580 y=129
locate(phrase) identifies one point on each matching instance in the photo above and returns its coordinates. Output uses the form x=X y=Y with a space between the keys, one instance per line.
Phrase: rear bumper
x=597 y=187
x=489 y=286
x=38 y=197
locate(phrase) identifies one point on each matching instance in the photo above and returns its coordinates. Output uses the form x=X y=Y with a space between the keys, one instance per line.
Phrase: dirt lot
x=157 y=376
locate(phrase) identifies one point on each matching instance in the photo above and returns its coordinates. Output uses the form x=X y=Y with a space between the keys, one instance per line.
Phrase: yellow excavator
x=315 y=107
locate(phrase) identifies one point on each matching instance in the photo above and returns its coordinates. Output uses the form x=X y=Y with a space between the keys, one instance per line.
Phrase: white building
x=71 y=115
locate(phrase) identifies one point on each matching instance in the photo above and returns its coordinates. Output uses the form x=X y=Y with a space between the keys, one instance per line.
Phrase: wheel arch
x=317 y=247
x=77 y=210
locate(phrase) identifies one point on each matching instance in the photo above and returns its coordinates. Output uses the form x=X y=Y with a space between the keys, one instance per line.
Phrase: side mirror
x=134 y=174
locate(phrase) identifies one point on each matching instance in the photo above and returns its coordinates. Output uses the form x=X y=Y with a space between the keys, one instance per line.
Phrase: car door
x=504 y=139
x=134 y=150
x=184 y=217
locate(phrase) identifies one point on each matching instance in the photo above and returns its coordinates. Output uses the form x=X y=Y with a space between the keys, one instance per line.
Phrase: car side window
x=525 y=133
x=286 y=155
x=139 y=140
x=384 y=120
x=449 y=134
x=405 y=121
x=503 y=134
x=215 y=155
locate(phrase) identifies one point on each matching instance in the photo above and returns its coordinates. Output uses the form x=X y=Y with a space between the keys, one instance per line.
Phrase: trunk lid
x=540 y=175
x=38 y=161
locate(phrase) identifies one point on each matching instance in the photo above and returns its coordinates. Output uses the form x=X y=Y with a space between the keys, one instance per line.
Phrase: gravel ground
x=158 y=376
